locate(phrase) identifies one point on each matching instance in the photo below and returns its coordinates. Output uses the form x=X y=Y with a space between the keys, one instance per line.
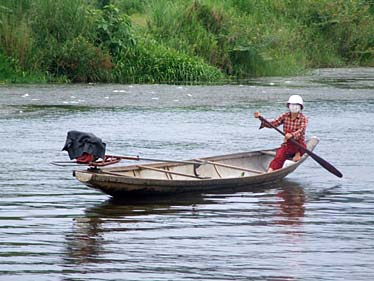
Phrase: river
x=313 y=226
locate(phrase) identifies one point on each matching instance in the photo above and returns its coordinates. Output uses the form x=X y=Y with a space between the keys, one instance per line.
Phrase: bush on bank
x=252 y=38
x=151 y=62
x=180 y=40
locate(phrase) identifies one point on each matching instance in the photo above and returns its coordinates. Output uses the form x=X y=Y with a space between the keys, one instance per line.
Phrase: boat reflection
x=84 y=244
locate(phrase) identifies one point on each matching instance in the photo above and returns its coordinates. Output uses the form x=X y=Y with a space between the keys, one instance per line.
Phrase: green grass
x=165 y=41
x=251 y=38
x=10 y=72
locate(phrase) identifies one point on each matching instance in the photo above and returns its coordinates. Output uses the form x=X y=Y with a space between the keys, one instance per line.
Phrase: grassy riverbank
x=160 y=41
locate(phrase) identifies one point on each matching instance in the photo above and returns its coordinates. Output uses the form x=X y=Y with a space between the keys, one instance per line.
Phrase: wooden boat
x=247 y=169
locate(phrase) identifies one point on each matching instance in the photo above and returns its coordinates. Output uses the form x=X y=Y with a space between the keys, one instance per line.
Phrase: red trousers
x=286 y=151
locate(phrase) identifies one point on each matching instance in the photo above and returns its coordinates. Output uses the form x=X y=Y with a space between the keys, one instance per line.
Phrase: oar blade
x=325 y=164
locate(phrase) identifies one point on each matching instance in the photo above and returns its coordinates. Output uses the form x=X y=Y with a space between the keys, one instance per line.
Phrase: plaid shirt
x=296 y=127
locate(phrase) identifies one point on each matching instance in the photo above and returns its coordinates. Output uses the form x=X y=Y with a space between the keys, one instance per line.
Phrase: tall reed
x=60 y=20
x=15 y=34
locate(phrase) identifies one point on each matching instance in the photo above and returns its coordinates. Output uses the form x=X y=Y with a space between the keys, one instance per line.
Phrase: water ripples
x=311 y=227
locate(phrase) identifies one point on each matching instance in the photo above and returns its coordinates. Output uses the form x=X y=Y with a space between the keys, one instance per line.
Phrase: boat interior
x=218 y=167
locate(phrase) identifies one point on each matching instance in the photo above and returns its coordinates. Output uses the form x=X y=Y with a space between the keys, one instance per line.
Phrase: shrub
x=93 y=40
x=114 y=31
x=153 y=63
x=250 y=38
x=11 y=72
x=16 y=36
x=337 y=33
x=61 y=21
x=130 y=6
x=80 y=61
x=196 y=28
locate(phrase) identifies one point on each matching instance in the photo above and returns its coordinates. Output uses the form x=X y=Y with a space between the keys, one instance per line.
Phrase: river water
x=313 y=226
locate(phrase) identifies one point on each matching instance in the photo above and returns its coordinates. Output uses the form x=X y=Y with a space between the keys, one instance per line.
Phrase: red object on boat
x=85 y=158
x=108 y=160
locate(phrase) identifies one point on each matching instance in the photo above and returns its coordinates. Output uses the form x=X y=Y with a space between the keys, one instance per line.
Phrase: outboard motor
x=84 y=147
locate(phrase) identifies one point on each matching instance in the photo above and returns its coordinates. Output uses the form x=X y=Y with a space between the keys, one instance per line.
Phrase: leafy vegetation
x=160 y=64
x=251 y=38
x=179 y=41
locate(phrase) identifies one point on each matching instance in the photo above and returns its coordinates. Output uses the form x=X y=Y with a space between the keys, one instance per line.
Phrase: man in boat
x=294 y=126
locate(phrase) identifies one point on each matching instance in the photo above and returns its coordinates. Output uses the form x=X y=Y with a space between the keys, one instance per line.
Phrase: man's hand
x=287 y=137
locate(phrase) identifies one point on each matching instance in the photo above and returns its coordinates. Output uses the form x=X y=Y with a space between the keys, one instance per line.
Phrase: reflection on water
x=193 y=234
x=83 y=244
x=292 y=204
x=86 y=243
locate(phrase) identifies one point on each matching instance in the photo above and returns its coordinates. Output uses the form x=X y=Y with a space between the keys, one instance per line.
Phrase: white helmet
x=295 y=99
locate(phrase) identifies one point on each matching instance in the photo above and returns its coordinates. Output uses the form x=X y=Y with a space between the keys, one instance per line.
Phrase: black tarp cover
x=77 y=143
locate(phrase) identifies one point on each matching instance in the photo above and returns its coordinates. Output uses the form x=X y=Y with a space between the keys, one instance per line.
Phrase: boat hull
x=144 y=180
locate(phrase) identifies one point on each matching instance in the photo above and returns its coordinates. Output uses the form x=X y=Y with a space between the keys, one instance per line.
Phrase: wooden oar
x=66 y=163
x=318 y=159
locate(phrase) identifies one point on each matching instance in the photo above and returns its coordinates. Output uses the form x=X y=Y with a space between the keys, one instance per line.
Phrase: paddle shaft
x=318 y=159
